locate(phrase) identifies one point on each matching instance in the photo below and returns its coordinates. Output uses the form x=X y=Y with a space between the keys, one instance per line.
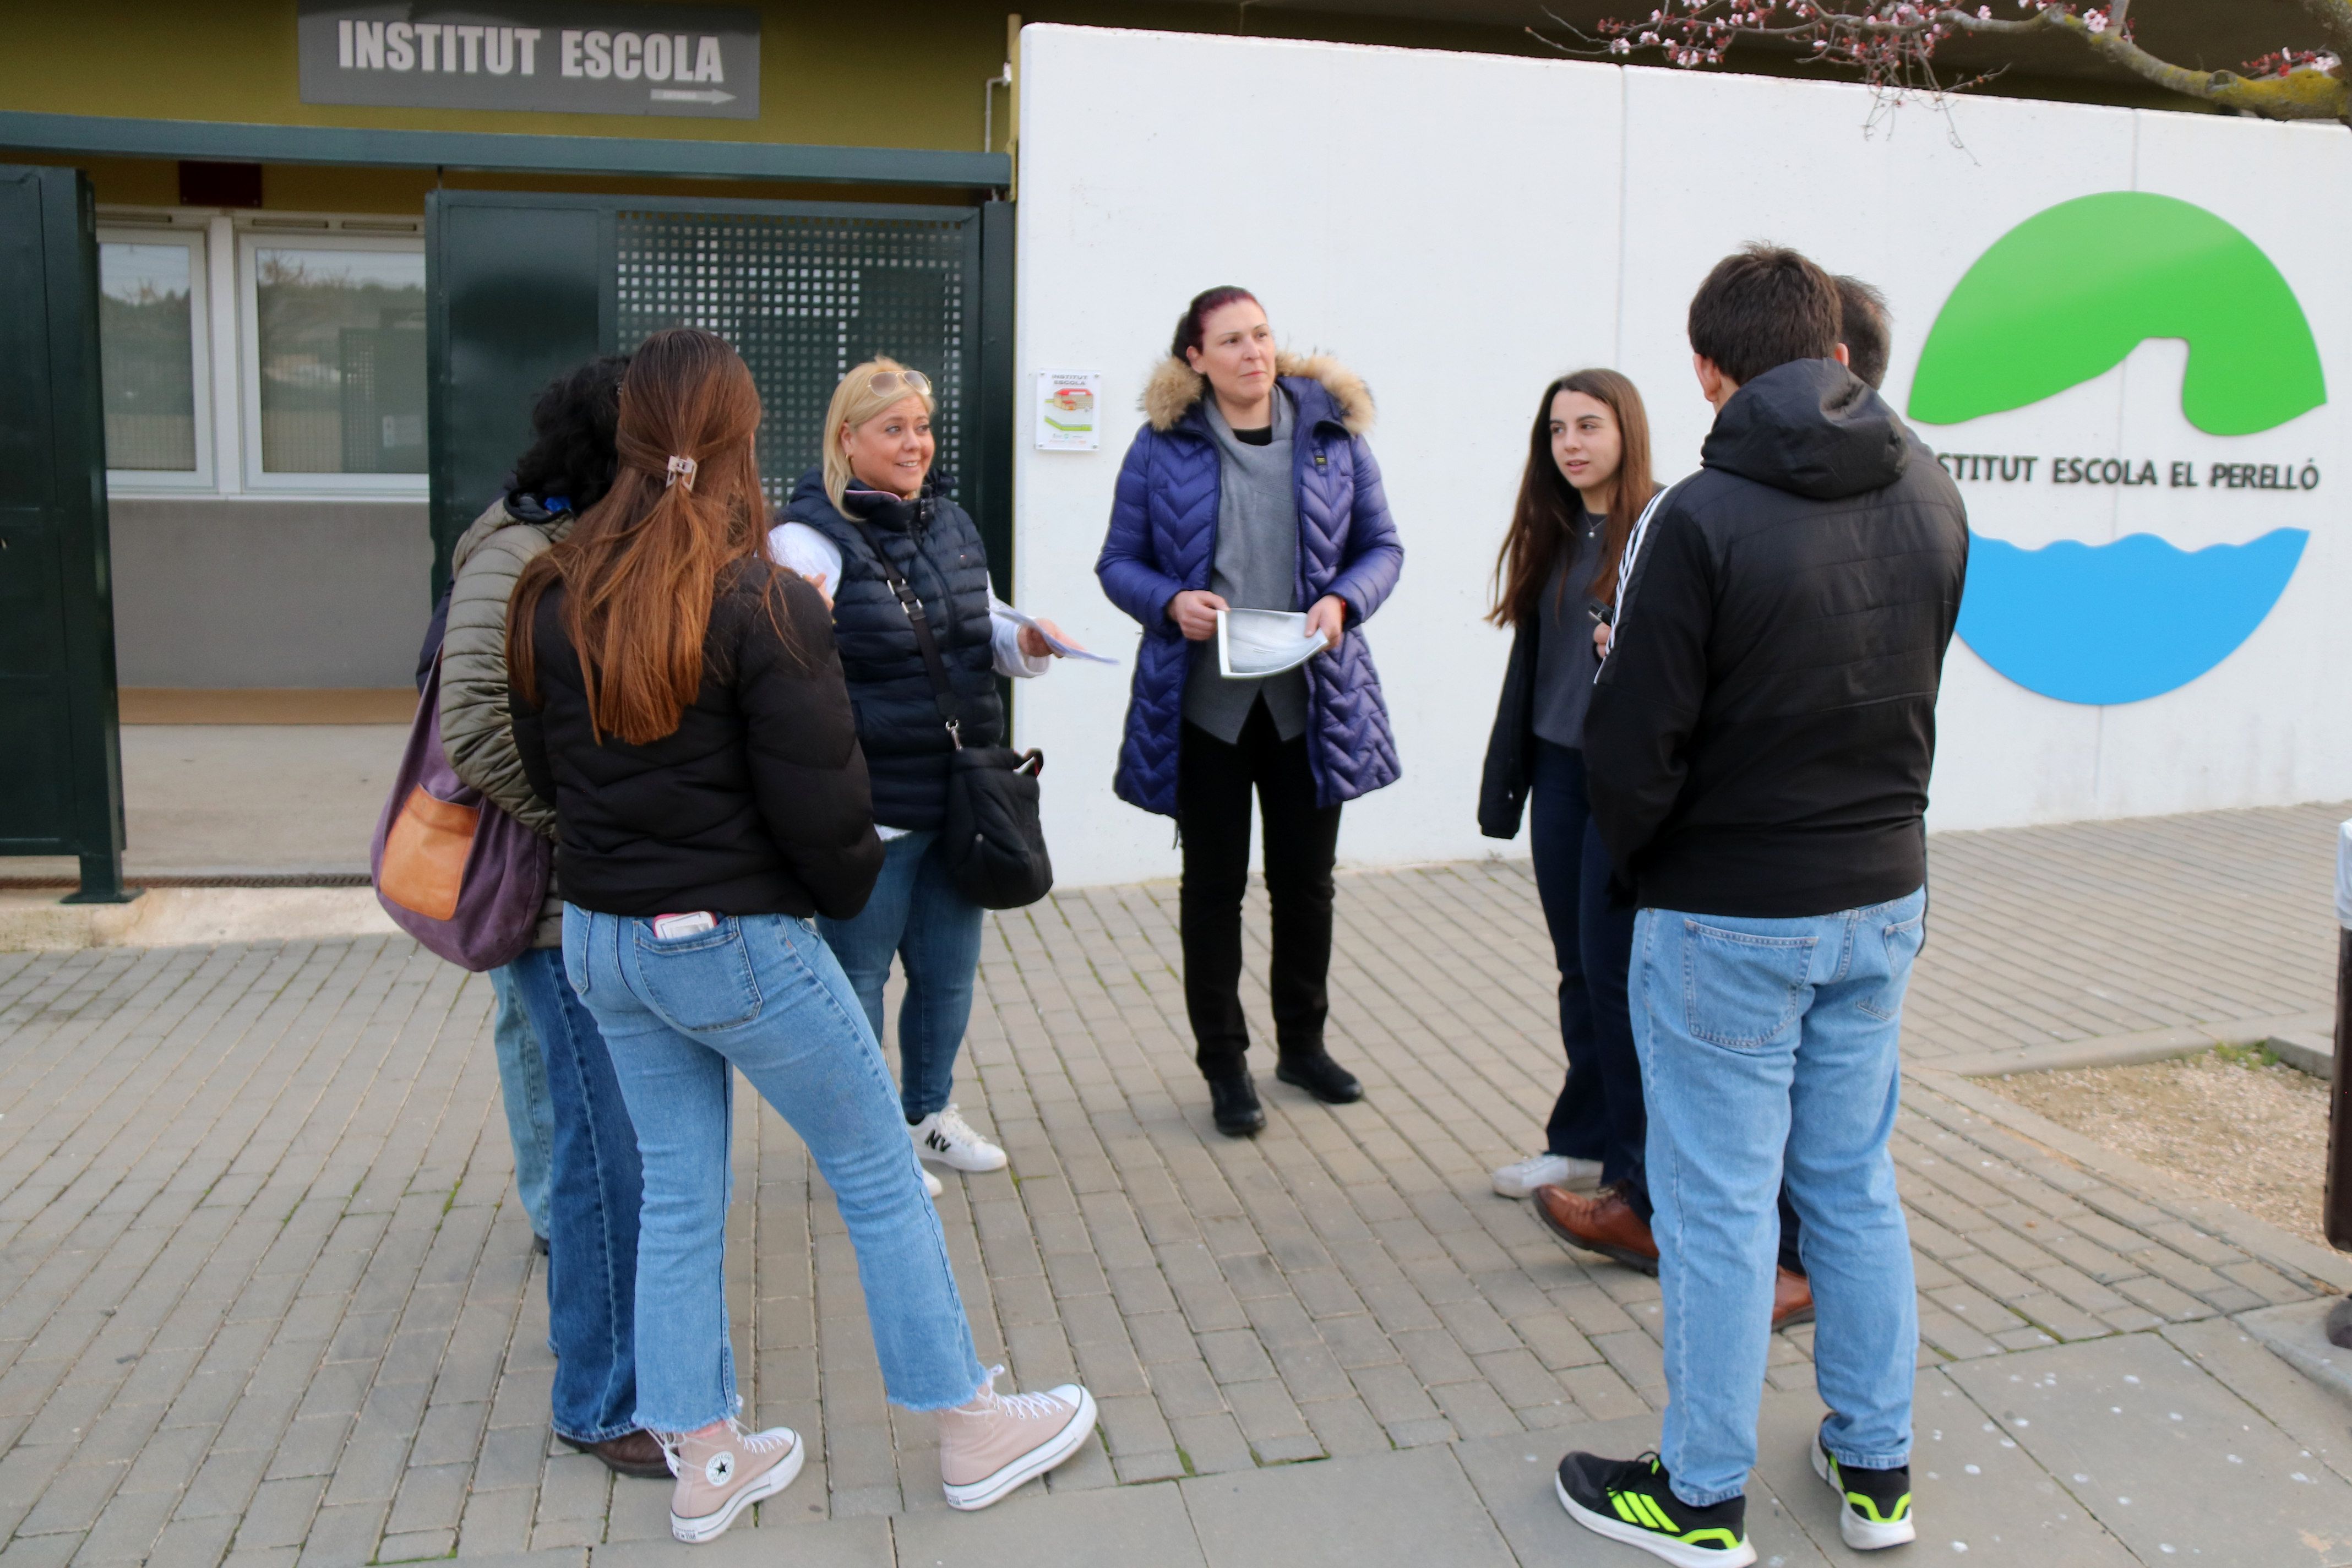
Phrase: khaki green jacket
x=476 y=729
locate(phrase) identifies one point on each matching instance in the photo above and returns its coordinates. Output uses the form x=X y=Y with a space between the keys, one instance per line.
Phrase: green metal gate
x=60 y=758
x=522 y=287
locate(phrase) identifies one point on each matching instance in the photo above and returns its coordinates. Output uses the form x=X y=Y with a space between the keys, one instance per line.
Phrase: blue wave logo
x=2060 y=300
x=2120 y=622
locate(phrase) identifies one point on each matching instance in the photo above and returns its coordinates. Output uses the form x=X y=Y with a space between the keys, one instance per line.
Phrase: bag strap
x=928 y=644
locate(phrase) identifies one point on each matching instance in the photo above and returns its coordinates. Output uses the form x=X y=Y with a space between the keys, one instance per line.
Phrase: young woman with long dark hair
x=1586 y=481
x=1252 y=487
x=680 y=700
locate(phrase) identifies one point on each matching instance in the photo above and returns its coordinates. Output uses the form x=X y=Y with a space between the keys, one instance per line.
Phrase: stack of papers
x=1254 y=644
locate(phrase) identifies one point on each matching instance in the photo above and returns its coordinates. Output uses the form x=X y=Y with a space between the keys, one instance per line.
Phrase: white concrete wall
x=1462 y=229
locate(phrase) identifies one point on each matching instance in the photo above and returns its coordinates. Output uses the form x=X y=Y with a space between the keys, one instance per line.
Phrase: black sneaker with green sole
x=1629 y=1500
x=1874 y=1506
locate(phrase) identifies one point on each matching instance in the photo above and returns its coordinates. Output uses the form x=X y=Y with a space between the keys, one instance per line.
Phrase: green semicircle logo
x=2065 y=296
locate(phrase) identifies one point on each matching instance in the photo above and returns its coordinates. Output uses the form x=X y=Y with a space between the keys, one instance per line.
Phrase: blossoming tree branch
x=1892 y=44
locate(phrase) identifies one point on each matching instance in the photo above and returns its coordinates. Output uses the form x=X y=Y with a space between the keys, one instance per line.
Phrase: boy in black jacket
x=1759 y=748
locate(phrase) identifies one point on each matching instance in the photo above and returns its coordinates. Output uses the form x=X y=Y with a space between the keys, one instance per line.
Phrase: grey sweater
x=1256 y=568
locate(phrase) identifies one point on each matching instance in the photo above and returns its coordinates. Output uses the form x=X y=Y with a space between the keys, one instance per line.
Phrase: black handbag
x=994 y=840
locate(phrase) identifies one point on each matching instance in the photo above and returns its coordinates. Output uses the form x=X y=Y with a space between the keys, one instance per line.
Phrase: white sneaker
x=931 y=1183
x=1521 y=1180
x=946 y=1137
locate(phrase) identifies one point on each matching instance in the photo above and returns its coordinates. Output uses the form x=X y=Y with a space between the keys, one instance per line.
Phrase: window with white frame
x=265 y=353
x=154 y=359
x=334 y=350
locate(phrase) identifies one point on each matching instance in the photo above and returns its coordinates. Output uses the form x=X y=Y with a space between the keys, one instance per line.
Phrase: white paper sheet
x=1254 y=644
x=1066 y=649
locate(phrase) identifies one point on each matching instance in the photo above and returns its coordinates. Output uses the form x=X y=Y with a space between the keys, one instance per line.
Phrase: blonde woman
x=874 y=495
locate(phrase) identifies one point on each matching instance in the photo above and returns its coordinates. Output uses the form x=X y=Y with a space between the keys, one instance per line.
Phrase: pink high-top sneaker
x=721 y=1470
x=990 y=1446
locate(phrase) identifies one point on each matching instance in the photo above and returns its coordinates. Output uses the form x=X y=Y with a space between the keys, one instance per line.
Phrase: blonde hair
x=854 y=402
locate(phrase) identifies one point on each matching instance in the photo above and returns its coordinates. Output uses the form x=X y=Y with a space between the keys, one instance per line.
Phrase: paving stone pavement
x=265 y=1296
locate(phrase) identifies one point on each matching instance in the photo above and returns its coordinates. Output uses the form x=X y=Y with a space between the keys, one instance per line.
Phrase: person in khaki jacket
x=557 y=1057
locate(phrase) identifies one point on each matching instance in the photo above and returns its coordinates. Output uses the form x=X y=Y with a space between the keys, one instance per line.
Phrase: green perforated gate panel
x=521 y=286
x=802 y=298
x=60 y=765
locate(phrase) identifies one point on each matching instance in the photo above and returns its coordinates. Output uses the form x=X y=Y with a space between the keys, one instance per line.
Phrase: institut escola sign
x=577 y=59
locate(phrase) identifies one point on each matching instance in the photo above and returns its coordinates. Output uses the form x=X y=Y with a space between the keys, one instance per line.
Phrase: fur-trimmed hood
x=1175 y=387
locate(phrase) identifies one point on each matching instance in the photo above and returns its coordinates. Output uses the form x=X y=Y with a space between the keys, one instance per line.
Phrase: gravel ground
x=2254 y=1135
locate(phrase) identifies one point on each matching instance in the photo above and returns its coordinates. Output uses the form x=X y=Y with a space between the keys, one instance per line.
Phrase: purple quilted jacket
x=1163 y=537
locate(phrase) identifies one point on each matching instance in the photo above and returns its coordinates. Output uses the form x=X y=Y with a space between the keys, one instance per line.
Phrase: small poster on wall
x=1067 y=401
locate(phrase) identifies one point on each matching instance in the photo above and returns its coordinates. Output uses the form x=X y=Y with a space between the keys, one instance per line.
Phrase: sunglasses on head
x=886 y=382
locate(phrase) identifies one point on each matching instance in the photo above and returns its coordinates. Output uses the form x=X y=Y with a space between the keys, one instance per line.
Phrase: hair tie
x=681 y=468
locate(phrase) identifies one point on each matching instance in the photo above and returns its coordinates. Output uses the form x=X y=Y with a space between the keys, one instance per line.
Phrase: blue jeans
x=595 y=1191
x=1768 y=1048
x=916 y=914
x=522 y=1084
x=761 y=993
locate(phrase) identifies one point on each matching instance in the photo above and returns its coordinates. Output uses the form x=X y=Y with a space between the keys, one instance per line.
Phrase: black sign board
x=698 y=60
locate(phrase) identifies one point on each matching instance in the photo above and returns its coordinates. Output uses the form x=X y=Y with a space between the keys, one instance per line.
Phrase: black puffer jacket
x=757 y=803
x=937 y=549
x=1761 y=740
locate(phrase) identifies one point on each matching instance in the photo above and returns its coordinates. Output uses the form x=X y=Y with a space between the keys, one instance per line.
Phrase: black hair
x=1762 y=306
x=1862 y=328
x=1206 y=303
x=571 y=451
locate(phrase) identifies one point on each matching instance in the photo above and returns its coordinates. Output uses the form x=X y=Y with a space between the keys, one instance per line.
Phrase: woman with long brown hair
x=1586 y=481
x=680 y=700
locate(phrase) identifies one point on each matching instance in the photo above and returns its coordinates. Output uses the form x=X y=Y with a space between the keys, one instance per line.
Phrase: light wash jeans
x=522 y=1084
x=917 y=915
x=1768 y=1048
x=764 y=993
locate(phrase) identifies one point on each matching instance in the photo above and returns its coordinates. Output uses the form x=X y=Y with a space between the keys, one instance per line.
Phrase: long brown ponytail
x=640 y=569
x=1549 y=505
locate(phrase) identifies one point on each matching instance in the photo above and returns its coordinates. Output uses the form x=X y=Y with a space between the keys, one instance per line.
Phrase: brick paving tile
x=265 y=1296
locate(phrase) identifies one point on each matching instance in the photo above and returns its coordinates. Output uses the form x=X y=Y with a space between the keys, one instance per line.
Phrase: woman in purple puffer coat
x=1250 y=486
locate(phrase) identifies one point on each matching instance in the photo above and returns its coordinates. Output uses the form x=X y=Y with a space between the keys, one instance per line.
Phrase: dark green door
x=61 y=762
x=522 y=287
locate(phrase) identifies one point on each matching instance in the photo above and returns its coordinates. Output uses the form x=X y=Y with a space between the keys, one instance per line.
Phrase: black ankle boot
x=1319 y=1076
x=1232 y=1099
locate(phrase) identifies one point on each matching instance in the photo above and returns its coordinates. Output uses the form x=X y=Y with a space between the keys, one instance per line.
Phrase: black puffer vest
x=934 y=546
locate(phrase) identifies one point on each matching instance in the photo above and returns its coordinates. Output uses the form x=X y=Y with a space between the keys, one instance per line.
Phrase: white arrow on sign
x=707 y=95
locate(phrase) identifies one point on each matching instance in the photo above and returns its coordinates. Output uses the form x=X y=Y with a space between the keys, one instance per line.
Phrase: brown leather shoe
x=1792 y=1299
x=637 y=1454
x=1605 y=1223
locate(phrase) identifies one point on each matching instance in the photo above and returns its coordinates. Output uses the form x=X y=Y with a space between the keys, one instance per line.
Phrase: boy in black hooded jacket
x=1758 y=744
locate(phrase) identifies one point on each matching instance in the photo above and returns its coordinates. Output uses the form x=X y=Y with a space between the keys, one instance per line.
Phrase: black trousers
x=1213 y=785
x=1600 y=1114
